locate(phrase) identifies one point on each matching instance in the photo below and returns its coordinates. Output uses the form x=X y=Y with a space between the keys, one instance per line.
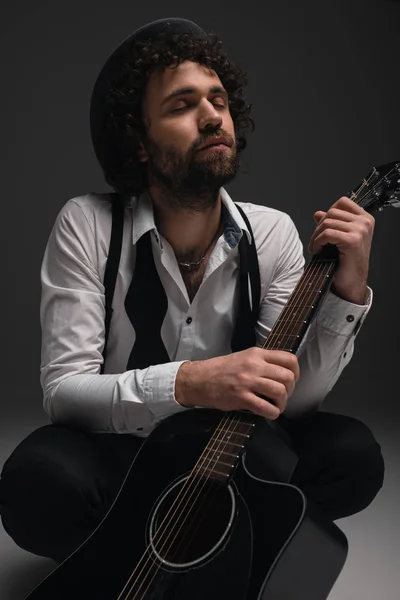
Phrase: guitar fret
x=290 y=321
x=276 y=346
x=213 y=471
x=229 y=454
x=284 y=335
x=218 y=462
x=300 y=306
x=233 y=432
x=321 y=261
x=312 y=291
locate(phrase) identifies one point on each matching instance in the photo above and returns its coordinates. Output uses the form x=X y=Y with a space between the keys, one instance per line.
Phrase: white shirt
x=72 y=315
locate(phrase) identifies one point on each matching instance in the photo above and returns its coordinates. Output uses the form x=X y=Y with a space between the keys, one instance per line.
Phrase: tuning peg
x=394 y=199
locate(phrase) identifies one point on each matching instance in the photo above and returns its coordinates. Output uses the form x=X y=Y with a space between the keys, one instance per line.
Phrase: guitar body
x=250 y=539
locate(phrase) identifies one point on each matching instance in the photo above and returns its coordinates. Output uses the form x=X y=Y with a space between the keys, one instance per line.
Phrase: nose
x=210 y=117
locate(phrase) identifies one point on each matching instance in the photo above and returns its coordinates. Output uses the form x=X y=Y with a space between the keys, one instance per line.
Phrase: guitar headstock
x=381 y=188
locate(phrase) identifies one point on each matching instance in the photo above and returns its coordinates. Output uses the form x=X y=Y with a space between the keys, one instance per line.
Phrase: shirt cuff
x=341 y=316
x=159 y=390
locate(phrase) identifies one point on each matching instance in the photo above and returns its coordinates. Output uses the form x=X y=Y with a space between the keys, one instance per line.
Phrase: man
x=168 y=121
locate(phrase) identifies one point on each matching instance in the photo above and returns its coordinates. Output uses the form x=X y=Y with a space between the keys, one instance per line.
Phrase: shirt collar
x=143 y=219
x=234 y=223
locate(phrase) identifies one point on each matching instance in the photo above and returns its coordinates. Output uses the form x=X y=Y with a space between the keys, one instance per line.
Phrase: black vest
x=146 y=302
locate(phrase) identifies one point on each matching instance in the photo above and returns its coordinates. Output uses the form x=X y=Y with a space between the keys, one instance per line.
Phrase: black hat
x=151 y=31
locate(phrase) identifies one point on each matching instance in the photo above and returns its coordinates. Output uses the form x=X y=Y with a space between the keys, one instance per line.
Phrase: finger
x=348 y=205
x=328 y=224
x=319 y=215
x=333 y=224
x=331 y=236
x=279 y=374
x=341 y=215
x=277 y=393
x=334 y=213
x=283 y=359
x=262 y=407
x=344 y=215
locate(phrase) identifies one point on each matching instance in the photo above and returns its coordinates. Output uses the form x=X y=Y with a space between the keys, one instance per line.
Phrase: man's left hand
x=350 y=228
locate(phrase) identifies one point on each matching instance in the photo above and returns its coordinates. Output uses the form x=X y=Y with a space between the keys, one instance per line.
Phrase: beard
x=191 y=180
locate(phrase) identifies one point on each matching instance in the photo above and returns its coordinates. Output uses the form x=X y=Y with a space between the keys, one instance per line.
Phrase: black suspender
x=114 y=254
x=111 y=271
x=253 y=270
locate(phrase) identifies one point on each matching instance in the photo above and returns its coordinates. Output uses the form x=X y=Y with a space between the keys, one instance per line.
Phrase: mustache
x=213 y=135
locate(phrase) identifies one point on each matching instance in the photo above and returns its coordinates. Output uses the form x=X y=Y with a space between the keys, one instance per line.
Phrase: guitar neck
x=294 y=320
x=228 y=441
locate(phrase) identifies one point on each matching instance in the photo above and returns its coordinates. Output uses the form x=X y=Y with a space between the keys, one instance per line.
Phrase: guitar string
x=361 y=187
x=181 y=524
x=193 y=526
x=356 y=192
x=280 y=326
x=145 y=554
x=310 y=298
x=317 y=274
x=298 y=291
x=278 y=330
x=203 y=461
x=196 y=520
x=243 y=428
x=330 y=264
x=197 y=482
x=167 y=516
x=294 y=296
x=279 y=335
x=183 y=490
x=264 y=345
x=366 y=183
x=196 y=486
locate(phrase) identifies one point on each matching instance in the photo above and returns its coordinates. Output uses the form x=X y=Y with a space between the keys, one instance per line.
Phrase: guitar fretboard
x=225 y=447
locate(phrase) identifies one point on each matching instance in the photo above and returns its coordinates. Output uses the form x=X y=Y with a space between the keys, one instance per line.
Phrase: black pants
x=58 y=483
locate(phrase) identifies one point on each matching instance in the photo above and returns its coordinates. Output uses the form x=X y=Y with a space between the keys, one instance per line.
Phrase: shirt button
x=350 y=318
x=189 y=320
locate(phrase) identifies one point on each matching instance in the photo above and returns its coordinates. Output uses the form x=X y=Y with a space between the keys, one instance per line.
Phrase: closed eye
x=177 y=110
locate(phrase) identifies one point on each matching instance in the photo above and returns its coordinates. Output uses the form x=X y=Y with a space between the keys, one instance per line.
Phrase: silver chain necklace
x=193 y=265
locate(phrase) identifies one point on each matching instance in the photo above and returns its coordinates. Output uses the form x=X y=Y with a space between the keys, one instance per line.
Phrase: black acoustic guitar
x=194 y=519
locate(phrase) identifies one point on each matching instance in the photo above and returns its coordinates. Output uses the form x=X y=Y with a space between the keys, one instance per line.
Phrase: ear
x=142 y=153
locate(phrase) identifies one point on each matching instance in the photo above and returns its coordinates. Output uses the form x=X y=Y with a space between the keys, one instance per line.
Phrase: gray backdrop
x=323 y=84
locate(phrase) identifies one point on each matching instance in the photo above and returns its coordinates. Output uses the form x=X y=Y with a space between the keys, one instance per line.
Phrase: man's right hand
x=236 y=381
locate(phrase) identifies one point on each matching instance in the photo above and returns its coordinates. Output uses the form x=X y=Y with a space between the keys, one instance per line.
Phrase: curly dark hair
x=124 y=124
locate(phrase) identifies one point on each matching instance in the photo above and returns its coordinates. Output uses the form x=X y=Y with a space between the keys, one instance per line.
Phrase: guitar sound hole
x=190 y=522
